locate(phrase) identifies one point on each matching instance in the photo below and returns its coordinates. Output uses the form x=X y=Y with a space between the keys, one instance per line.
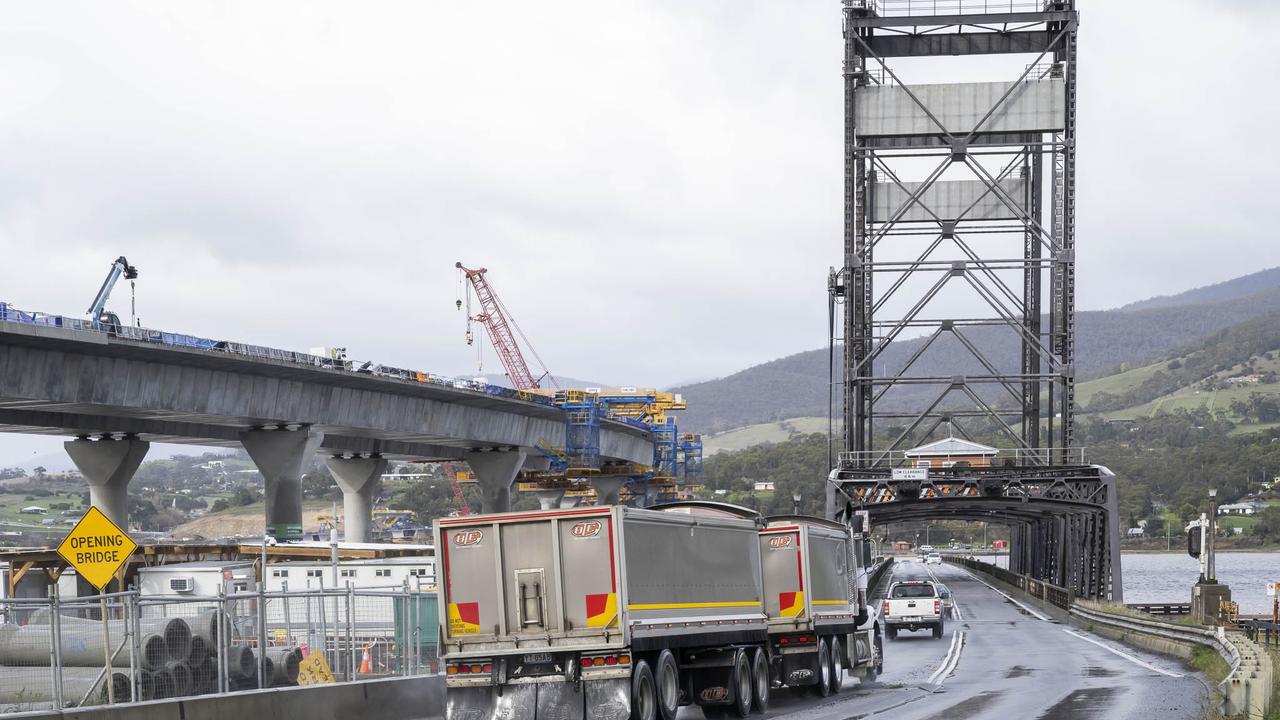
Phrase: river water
x=1168 y=577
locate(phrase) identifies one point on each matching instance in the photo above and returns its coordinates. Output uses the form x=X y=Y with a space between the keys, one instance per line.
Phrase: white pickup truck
x=912 y=605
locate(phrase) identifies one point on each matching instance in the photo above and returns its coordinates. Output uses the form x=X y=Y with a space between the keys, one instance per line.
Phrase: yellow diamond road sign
x=96 y=548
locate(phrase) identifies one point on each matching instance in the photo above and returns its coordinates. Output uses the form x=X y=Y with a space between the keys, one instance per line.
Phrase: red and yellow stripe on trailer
x=602 y=609
x=464 y=618
x=791 y=604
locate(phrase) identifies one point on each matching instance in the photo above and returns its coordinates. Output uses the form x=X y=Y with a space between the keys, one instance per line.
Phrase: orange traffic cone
x=366 y=661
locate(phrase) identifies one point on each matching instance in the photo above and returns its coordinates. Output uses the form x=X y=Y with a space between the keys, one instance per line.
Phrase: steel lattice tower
x=989 y=160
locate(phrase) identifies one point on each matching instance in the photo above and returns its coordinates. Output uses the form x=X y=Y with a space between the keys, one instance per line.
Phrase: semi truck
x=617 y=612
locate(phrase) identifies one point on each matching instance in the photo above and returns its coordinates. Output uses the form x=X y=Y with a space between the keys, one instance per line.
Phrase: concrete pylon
x=496 y=472
x=108 y=466
x=357 y=477
x=282 y=456
x=549 y=499
x=569 y=501
x=608 y=488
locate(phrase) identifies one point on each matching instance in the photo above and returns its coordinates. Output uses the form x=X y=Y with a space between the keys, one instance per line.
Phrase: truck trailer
x=815 y=598
x=610 y=613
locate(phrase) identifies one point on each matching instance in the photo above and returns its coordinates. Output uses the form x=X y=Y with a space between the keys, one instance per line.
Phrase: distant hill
x=1231 y=289
x=1108 y=341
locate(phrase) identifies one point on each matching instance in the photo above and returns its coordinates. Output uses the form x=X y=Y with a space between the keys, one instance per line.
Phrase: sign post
x=97 y=548
x=1275 y=602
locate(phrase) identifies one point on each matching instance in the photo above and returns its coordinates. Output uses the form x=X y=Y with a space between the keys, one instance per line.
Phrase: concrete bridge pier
x=549 y=499
x=108 y=466
x=282 y=456
x=358 y=479
x=495 y=473
x=608 y=488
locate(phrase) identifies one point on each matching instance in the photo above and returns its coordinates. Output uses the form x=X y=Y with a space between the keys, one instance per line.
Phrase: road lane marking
x=1034 y=613
x=1123 y=654
x=950 y=661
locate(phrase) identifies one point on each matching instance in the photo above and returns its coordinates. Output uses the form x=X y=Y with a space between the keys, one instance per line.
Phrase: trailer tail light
x=606 y=660
x=465 y=668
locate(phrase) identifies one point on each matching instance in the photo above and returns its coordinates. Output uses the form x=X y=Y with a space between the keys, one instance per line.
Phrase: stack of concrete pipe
x=178 y=658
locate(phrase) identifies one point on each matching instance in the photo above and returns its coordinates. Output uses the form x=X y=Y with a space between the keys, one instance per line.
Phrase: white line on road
x=950 y=661
x=1035 y=613
x=1123 y=654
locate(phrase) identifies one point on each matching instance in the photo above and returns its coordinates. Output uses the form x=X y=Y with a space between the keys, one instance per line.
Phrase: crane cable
x=532 y=351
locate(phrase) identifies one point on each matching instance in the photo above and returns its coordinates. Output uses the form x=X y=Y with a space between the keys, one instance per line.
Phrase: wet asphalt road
x=1011 y=665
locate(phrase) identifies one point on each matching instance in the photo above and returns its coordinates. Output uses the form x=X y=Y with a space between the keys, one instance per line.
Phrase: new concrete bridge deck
x=131 y=392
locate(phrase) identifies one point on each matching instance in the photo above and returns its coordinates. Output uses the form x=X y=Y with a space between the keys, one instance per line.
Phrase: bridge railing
x=1021 y=457
x=901 y=8
x=1058 y=596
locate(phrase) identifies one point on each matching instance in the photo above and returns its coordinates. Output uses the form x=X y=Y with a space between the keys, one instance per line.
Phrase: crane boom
x=120 y=267
x=500 y=328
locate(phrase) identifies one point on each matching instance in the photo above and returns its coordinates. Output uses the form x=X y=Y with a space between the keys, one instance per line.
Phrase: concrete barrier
x=415 y=698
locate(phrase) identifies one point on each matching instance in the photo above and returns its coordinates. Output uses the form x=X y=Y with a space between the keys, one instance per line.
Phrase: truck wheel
x=742 y=686
x=668 y=679
x=644 y=693
x=823 y=687
x=937 y=630
x=837 y=665
x=760 y=682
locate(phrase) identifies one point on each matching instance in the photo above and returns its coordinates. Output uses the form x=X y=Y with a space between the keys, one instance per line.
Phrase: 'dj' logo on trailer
x=586 y=529
x=467 y=538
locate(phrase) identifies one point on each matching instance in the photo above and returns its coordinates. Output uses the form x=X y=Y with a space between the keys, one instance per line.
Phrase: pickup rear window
x=913 y=591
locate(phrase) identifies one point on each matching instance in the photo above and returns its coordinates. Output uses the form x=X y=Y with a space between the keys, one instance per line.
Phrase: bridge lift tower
x=960 y=232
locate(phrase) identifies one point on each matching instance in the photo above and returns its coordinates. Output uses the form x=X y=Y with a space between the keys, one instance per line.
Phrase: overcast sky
x=655 y=186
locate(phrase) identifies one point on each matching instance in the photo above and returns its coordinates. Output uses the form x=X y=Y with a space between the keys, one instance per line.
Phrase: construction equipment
x=453 y=472
x=498 y=321
x=97 y=312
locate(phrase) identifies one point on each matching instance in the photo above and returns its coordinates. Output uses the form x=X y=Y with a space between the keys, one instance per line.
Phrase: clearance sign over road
x=96 y=548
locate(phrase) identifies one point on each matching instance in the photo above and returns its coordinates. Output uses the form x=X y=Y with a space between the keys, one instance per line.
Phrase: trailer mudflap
x=597 y=700
x=608 y=699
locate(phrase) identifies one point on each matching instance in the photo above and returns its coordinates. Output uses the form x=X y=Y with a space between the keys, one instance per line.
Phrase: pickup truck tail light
x=885 y=610
x=937 y=607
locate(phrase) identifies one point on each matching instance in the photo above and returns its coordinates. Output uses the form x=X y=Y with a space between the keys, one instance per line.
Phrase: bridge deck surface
x=1012 y=664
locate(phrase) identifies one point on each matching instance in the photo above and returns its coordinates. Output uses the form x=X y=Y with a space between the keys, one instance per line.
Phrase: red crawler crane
x=498 y=321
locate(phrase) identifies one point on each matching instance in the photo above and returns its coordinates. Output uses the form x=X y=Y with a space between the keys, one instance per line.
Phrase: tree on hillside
x=1267 y=529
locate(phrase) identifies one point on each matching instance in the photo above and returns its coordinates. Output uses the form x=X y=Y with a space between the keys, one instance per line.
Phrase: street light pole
x=795 y=503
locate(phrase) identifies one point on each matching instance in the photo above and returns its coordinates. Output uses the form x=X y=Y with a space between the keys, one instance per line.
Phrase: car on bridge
x=933 y=558
x=913 y=605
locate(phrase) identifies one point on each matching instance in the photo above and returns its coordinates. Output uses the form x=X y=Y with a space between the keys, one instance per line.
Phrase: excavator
x=97 y=312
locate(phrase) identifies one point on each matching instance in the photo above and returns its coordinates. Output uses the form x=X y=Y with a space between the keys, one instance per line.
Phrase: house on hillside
x=951 y=452
x=1241 y=508
x=34 y=510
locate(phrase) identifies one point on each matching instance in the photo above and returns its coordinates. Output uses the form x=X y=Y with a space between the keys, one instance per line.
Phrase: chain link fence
x=127 y=647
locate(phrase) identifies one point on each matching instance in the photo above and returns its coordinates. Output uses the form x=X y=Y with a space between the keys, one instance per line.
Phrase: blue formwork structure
x=665 y=447
x=691 y=458
x=582 y=432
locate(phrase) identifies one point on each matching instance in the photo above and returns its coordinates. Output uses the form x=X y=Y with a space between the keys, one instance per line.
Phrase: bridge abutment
x=357 y=478
x=281 y=457
x=108 y=466
x=495 y=473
